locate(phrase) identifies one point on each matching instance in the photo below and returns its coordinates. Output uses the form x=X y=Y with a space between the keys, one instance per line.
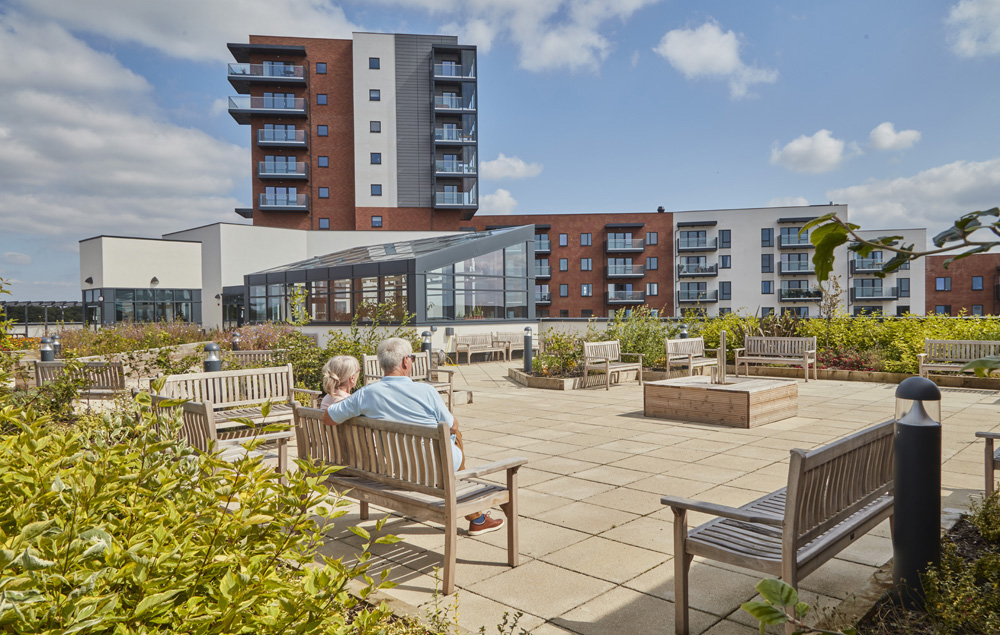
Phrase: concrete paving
x=596 y=544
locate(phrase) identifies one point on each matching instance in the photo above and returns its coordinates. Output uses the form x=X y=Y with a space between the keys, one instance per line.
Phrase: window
x=321 y=68
x=725 y=262
x=692 y=239
x=376 y=158
x=563 y=312
x=376 y=189
x=586 y=290
x=767 y=237
x=320 y=99
x=652 y=288
x=324 y=192
x=652 y=263
x=564 y=264
x=942 y=284
x=902 y=309
x=586 y=313
x=797 y=311
x=586 y=240
x=322 y=131
x=790 y=236
x=586 y=264
x=563 y=240
x=725 y=310
x=376 y=221
x=725 y=290
x=977 y=283
x=767 y=263
x=323 y=162
x=767 y=286
x=324 y=223
x=374 y=95
x=942 y=309
x=374 y=63
x=651 y=238
x=903 y=284
x=564 y=291
x=977 y=309
x=766 y=311
x=542 y=313
x=375 y=126
x=725 y=238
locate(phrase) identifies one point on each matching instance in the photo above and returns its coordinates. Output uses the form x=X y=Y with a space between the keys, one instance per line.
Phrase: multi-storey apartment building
x=376 y=132
x=896 y=293
x=971 y=285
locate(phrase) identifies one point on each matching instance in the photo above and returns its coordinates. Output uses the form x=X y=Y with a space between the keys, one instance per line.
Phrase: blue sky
x=114 y=121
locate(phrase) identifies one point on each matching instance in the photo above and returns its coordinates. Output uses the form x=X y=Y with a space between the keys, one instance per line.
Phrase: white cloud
x=787 y=201
x=974 y=28
x=497 y=203
x=635 y=59
x=814 y=155
x=708 y=52
x=885 y=137
x=16 y=258
x=932 y=198
x=505 y=167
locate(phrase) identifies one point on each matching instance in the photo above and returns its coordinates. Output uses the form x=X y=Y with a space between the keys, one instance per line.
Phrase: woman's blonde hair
x=338 y=371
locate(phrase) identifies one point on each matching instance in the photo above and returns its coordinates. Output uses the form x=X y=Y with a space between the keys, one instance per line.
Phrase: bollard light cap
x=527 y=329
x=918 y=389
x=212 y=346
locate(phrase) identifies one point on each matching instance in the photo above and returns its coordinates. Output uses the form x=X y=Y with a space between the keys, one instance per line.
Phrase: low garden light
x=527 y=350
x=425 y=345
x=236 y=341
x=56 y=345
x=684 y=331
x=46 y=351
x=213 y=363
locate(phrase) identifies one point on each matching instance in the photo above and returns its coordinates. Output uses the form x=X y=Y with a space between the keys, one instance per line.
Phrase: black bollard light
x=236 y=341
x=425 y=344
x=684 y=331
x=45 y=350
x=916 y=540
x=57 y=345
x=527 y=350
x=213 y=363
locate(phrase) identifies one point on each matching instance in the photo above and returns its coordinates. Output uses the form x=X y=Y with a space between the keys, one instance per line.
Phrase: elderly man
x=398 y=398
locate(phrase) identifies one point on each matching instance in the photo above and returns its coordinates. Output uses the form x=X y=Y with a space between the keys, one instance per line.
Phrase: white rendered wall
x=90 y=263
x=131 y=263
x=382 y=46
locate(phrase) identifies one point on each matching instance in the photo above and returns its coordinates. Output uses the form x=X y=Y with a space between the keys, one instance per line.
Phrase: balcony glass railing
x=867 y=264
x=285 y=168
x=687 y=295
x=543 y=271
x=246 y=102
x=454 y=198
x=300 y=201
x=454 y=167
x=543 y=245
x=794 y=241
x=543 y=297
x=278 y=137
x=453 y=134
x=454 y=103
x=800 y=294
x=279 y=71
x=796 y=267
x=625 y=244
x=697 y=270
x=454 y=70
x=626 y=270
x=697 y=243
x=875 y=293
x=626 y=296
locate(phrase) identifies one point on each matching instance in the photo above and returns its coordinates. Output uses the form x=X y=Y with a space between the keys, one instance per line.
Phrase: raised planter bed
x=948 y=381
x=742 y=402
x=593 y=381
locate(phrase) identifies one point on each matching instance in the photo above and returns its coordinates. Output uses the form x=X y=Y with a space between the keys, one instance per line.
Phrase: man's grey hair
x=391 y=353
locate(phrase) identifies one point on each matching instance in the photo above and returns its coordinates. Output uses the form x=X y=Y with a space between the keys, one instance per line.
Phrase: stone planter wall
x=26 y=367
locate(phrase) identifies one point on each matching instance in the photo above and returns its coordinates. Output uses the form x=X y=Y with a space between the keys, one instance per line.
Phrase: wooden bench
x=102 y=378
x=789 y=351
x=244 y=358
x=689 y=352
x=607 y=356
x=409 y=469
x=477 y=343
x=422 y=371
x=992 y=459
x=835 y=494
x=511 y=342
x=951 y=355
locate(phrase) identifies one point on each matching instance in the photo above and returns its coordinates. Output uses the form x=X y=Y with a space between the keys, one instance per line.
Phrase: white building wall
x=916 y=273
x=132 y=263
x=382 y=46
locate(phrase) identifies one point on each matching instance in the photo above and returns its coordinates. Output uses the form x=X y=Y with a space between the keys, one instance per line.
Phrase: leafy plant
x=562 y=354
x=383 y=321
x=781 y=605
x=960 y=598
x=639 y=331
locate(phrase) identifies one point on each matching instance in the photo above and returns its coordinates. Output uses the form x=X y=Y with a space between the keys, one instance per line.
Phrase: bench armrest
x=720 y=510
x=639 y=355
x=738 y=349
x=988 y=435
x=490 y=468
x=267 y=436
x=921 y=355
x=450 y=371
x=315 y=396
x=811 y=351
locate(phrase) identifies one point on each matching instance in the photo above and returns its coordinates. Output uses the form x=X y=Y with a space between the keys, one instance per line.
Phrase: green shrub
x=986 y=517
x=128 y=337
x=562 y=354
x=638 y=331
x=958 y=600
x=371 y=324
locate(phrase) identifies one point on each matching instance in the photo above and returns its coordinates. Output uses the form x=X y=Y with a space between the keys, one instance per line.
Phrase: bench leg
x=607 y=377
x=364 y=510
x=682 y=563
x=450 y=542
x=989 y=467
x=282 y=457
x=510 y=511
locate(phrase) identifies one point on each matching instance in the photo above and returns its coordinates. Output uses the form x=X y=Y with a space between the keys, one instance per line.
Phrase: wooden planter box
x=741 y=403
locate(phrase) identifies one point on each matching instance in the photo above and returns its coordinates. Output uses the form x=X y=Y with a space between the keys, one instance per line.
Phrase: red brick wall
x=961 y=272
x=575 y=224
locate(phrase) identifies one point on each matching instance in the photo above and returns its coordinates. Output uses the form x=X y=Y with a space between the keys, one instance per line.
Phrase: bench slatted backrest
x=610 y=351
x=960 y=350
x=372 y=369
x=829 y=484
x=233 y=388
x=255 y=357
x=779 y=346
x=686 y=346
x=421 y=367
x=516 y=340
x=316 y=440
x=475 y=340
x=106 y=376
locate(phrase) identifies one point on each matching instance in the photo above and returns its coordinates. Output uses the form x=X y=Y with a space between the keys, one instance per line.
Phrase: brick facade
x=959 y=276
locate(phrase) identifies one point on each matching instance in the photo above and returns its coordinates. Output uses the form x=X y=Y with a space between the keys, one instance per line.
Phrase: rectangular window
x=322 y=131
x=652 y=263
x=652 y=288
x=766 y=311
x=977 y=283
x=767 y=286
x=321 y=68
x=586 y=240
x=942 y=284
x=376 y=221
x=320 y=99
x=725 y=290
x=374 y=63
x=798 y=311
x=376 y=189
x=564 y=291
x=767 y=237
x=323 y=162
x=564 y=264
x=375 y=126
x=903 y=284
x=725 y=310
x=324 y=192
x=376 y=158
x=374 y=95
x=563 y=240
x=563 y=312
x=586 y=313
x=942 y=309
x=324 y=223
x=586 y=290
x=586 y=264
x=767 y=263
x=725 y=262
x=902 y=309
x=651 y=238
x=977 y=309
x=725 y=238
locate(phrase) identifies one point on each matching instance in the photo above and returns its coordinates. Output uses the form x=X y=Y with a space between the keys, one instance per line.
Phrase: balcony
x=686 y=295
x=454 y=167
x=454 y=135
x=454 y=71
x=543 y=246
x=287 y=203
x=543 y=297
x=874 y=293
x=626 y=297
x=697 y=271
x=625 y=244
x=866 y=265
x=543 y=271
x=282 y=170
x=282 y=138
x=697 y=244
x=442 y=102
x=796 y=268
x=242 y=76
x=794 y=242
x=800 y=295
x=243 y=107
x=455 y=199
x=625 y=271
